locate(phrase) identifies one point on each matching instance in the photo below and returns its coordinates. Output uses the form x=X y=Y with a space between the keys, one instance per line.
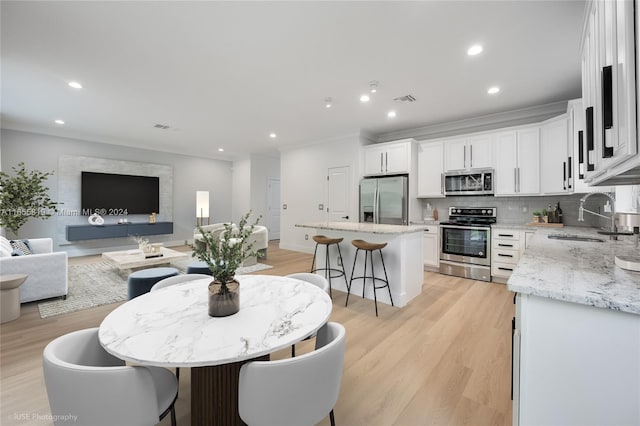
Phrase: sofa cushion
x=20 y=247
x=5 y=247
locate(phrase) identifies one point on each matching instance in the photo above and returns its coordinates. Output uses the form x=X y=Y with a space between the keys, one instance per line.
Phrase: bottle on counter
x=559 y=213
x=435 y=213
x=551 y=215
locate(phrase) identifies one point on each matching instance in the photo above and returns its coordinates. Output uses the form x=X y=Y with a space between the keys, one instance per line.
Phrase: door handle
x=590 y=145
x=607 y=108
x=580 y=155
x=345 y=217
x=564 y=175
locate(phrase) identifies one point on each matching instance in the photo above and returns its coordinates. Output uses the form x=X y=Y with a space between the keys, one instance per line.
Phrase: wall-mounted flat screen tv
x=114 y=194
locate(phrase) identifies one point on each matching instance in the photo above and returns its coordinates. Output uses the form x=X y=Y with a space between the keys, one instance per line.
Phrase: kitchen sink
x=574 y=237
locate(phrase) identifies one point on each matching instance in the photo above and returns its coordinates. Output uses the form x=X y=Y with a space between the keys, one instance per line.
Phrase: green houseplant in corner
x=223 y=256
x=24 y=196
x=536 y=216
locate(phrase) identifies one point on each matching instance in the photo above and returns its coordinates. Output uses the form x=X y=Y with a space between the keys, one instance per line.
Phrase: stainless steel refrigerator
x=385 y=200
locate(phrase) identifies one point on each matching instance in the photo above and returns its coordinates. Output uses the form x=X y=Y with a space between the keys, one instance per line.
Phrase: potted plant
x=24 y=196
x=545 y=215
x=223 y=256
x=536 y=216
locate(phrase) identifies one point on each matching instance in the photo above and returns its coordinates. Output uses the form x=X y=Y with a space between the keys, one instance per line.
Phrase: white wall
x=190 y=174
x=241 y=188
x=303 y=183
x=262 y=168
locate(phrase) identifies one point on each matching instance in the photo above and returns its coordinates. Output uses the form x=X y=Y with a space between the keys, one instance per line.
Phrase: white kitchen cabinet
x=469 y=152
x=506 y=247
x=430 y=168
x=388 y=158
x=574 y=364
x=518 y=162
x=554 y=155
x=609 y=92
x=431 y=248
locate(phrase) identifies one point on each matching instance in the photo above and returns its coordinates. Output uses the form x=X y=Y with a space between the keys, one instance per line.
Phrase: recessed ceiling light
x=391 y=114
x=220 y=149
x=75 y=85
x=373 y=86
x=273 y=135
x=364 y=98
x=328 y=102
x=474 y=50
x=59 y=122
x=493 y=90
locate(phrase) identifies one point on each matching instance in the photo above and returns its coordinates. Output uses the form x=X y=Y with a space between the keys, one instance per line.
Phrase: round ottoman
x=198 y=267
x=140 y=282
x=10 y=296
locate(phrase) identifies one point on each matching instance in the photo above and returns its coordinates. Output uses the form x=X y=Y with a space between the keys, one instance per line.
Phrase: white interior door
x=339 y=194
x=273 y=208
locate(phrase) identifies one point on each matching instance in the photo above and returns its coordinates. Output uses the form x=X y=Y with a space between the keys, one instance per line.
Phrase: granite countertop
x=372 y=228
x=517 y=226
x=578 y=271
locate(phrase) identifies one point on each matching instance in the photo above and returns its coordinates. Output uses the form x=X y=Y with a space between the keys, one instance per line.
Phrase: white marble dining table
x=171 y=327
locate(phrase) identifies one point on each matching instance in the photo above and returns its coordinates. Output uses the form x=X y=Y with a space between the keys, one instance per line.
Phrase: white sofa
x=259 y=238
x=46 y=269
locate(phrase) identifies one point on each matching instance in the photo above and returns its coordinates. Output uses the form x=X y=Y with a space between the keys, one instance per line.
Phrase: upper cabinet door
x=397 y=158
x=455 y=153
x=528 y=174
x=553 y=160
x=373 y=161
x=430 y=168
x=506 y=164
x=480 y=152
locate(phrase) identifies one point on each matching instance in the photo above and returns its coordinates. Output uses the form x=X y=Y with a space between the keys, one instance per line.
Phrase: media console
x=118 y=230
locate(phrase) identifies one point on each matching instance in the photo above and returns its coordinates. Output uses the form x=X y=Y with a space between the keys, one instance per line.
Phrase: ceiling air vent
x=405 y=98
x=161 y=126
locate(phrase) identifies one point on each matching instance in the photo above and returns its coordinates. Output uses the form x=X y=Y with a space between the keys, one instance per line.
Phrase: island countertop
x=578 y=271
x=367 y=227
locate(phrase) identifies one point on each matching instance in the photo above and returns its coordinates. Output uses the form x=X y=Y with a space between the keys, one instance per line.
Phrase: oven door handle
x=476 y=228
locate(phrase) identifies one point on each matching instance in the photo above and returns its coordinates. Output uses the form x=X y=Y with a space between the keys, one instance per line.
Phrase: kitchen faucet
x=612 y=233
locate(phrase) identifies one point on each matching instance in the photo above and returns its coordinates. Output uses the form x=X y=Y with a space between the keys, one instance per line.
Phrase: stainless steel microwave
x=470 y=182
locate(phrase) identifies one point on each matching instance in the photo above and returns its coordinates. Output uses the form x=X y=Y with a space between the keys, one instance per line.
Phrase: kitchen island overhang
x=403 y=257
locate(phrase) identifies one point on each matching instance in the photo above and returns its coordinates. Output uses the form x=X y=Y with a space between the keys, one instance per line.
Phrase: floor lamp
x=202 y=207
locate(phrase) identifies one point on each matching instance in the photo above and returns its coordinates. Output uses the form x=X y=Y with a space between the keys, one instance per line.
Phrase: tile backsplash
x=518 y=210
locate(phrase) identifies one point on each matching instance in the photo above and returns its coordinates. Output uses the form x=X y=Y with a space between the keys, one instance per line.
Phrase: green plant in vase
x=224 y=255
x=545 y=215
x=536 y=216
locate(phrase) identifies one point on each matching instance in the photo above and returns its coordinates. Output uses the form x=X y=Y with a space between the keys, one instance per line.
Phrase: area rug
x=100 y=283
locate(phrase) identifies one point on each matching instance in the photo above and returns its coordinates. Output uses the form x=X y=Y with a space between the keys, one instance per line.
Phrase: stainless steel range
x=465 y=242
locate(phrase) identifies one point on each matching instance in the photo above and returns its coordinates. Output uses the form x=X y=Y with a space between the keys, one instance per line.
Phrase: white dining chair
x=318 y=281
x=98 y=389
x=294 y=391
x=177 y=279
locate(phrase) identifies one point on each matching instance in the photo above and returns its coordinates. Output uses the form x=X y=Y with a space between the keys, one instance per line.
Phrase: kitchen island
x=576 y=334
x=403 y=257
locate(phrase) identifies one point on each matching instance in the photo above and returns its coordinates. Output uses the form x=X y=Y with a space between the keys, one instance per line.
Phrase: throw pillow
x=20 y=247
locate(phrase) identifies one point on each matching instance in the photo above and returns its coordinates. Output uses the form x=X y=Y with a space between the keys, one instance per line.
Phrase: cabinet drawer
x=498 y=244
x=504 y=270
x=506 y=256
x=505 y=234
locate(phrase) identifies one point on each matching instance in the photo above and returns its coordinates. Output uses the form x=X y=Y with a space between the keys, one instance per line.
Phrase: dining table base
x=214 y=393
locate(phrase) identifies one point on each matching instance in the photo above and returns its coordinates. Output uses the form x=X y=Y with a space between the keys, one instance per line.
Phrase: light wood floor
x=444 y=359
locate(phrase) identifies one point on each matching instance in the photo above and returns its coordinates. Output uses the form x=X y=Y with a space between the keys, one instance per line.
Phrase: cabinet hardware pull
x=505 y=269
x=505 y=235
x=607 y=108
x=386 y=161
x=505 y=245
x=570 y=174
x=505 y=255
x=471 y=156
x=580 y=155
x=589 y=129
x=519 y=189
x=564 y=175
x=464 y=155
x=515 y=180
x=381 y=163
